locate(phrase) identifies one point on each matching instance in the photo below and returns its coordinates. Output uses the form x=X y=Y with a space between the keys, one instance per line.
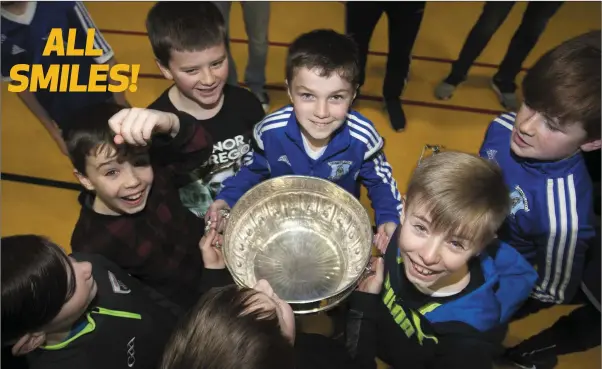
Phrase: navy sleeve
x=12 y=54
x=377 y=175
x=82 y=21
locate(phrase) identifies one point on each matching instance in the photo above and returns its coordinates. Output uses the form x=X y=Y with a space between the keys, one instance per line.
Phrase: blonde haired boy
x=444 y=290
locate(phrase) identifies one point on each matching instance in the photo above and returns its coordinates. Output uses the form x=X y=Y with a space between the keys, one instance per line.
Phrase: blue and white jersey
x=353 y=157
x=24 y=38
x=551 y=220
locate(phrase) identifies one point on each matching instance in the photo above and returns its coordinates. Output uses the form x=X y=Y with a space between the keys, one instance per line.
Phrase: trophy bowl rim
x=361 y=214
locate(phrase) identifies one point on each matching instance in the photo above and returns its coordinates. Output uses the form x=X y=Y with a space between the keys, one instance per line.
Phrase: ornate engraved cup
x=309 y=238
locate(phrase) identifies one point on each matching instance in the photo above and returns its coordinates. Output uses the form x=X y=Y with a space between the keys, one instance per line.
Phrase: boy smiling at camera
x=319 y=135
x=189 y=42
x=132 y=213
x=445 y=289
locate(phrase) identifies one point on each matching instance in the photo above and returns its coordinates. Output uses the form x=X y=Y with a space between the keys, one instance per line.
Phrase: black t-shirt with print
x=231 y=130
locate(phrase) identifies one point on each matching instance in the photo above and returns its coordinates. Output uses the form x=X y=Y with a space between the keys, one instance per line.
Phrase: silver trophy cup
x=309 y=238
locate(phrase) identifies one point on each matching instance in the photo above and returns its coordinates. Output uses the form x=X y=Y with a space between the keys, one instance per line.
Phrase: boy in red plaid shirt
x=131 y=212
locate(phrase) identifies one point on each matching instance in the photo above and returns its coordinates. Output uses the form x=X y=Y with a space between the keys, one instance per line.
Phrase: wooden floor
x=459 y=123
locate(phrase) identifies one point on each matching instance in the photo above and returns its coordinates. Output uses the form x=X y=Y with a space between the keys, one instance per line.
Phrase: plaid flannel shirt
x=158 y=245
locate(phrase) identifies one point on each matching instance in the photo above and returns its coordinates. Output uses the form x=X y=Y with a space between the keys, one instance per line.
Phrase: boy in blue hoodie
x=445 y=289
x=319 y=135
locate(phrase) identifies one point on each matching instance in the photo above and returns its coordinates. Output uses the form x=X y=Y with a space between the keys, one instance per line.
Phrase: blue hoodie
x=408 y=329
x=551 y=221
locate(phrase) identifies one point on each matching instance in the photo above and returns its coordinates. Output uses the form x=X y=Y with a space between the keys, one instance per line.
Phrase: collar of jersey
x=91 y=325
x=550 y=167
x=24 y=18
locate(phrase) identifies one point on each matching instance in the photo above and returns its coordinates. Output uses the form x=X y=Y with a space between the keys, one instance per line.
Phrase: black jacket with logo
x=128 y=324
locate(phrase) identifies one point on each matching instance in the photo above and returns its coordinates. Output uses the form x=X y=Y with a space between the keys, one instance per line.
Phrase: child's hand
x=136 y=126
x=214 y=216
x=383 y=236
x=211 y=250
x=373 y=282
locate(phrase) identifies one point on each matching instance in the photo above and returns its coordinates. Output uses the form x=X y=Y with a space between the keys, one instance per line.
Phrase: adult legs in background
x=404 y=22
x=256 y=16
x=533 y=24
x=224 y=7
x=257 y=20
x=493 y=15
x=360 y=19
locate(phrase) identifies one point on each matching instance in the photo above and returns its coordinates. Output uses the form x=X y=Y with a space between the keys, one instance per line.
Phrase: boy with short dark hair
x=132 y=213
x=318 y=135
x=539 y=149
x=189 y=42
x=445 y=289
x=25 y=29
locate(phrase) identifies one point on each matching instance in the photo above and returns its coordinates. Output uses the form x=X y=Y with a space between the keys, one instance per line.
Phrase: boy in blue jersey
x=319 y=135
x=25 y=29
x=540 y=152
x=445 y=289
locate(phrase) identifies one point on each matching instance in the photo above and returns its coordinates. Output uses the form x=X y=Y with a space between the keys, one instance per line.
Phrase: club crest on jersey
x=491 y=154
x=519 y=201
x=117 y=285
x=338 y=169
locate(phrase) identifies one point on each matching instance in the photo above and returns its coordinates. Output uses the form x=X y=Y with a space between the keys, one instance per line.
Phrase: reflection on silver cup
x=307 y=236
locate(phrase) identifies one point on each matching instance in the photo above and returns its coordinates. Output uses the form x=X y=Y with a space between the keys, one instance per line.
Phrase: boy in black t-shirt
x=189 y=42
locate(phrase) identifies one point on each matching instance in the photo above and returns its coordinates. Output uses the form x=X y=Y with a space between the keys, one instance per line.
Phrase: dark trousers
x=494 y=13
x=404 y=23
